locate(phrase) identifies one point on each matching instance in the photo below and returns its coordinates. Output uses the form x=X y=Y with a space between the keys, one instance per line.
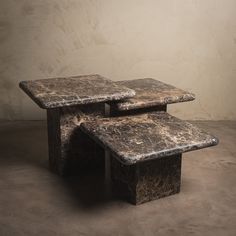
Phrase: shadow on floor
x=89 y=189
x=25 y=145
x=33 y=201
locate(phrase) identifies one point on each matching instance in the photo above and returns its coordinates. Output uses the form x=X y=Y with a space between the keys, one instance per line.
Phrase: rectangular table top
x=148 y=136
x=151 y=92
x=60 y=92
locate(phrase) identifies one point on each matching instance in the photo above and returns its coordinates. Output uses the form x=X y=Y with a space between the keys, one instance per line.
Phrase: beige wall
x=188 y=43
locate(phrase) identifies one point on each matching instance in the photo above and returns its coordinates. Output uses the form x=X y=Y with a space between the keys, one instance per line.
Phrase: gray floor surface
x=34 y=201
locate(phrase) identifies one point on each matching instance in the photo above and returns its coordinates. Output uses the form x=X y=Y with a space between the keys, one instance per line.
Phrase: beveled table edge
x=122 y=106
x=152 y=155
x=127 y=94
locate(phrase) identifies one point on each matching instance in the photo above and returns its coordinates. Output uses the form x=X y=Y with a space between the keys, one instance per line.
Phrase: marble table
x=75 y=90
x=143 y=143
x=151 y=95
x=69 y=101
x=146 y=151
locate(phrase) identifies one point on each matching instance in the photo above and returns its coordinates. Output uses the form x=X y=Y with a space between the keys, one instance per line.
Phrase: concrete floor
x=34 y=201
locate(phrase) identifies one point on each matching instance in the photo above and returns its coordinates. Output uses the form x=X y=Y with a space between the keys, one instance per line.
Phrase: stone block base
x=148 y=180
x=70 y=150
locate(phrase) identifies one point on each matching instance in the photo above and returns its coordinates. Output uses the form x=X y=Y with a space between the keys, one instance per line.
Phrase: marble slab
x=148 y=136
x=85 y=89
x=151 y=92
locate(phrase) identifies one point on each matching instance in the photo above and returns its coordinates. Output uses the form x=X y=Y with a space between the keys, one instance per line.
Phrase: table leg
x=148 y=180
x=69 y=148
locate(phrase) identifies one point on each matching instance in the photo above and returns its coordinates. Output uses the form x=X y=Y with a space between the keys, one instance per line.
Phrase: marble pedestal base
x=70 y=150
x=148 y=180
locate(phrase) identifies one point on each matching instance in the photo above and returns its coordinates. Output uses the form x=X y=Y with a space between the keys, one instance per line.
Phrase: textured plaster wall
x=188 y=43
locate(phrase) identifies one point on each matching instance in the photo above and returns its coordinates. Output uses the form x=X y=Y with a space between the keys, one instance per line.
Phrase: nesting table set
x=92 y=119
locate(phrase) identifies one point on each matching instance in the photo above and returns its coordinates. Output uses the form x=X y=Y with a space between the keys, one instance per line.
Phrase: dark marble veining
x=151 y=92
x=60 y=92
x=146 y=181
x=70 y=150
x=148 y=136
x=144 y=145
x=114 y=112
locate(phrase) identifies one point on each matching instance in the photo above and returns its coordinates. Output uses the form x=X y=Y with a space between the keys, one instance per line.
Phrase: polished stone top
x=148 y=136
x=151 y=92
x=60 y=92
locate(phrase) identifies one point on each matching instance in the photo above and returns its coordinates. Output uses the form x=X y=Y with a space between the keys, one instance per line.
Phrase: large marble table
x=69 y=101
x=75 y=90
x=146 y=151
x=143 y=143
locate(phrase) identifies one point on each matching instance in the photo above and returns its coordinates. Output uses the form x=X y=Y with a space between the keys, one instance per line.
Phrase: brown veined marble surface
x=151 y=92
x=137 y=138
x=76 y=90
x=148 y=180
x=70 y=150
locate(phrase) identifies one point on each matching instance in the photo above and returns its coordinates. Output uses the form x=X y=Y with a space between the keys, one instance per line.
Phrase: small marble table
x=69 y=101
x=146 y=152
x=151 y=95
